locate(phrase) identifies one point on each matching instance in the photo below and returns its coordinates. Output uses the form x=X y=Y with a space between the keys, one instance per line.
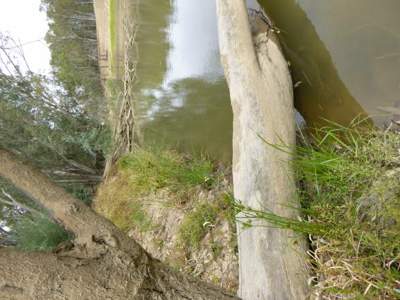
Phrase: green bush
x=38 y=234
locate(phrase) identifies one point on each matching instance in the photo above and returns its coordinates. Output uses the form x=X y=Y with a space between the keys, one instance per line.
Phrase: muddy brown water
x=344 y=57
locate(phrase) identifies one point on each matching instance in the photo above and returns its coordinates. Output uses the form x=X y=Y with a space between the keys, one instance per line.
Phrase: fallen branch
x=14 y=203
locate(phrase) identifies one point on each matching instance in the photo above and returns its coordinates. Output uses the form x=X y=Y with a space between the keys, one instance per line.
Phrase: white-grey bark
x=272 y=261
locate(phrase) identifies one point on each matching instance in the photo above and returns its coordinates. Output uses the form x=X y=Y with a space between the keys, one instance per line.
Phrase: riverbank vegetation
x=179 y=209
x=349 y=186
x=146 y=171
x=348 y=182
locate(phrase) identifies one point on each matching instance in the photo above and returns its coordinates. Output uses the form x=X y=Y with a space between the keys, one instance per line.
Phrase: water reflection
x=203 y=123
x=194 y=39
x=345 y=53
x=184 y=98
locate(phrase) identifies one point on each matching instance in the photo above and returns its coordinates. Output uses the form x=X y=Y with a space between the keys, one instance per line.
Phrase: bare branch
x=17 y=204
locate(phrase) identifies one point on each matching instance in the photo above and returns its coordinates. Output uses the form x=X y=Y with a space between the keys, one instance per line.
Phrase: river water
x=344 y=57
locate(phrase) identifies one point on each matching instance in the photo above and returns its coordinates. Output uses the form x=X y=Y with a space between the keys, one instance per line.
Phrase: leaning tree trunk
x=101 y=262
x=271 y=261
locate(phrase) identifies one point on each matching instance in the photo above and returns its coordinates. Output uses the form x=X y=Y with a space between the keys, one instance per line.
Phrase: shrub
x=38 y=234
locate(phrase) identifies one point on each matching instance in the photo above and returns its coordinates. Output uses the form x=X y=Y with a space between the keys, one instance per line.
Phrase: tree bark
x=271 y=260
x=101 y=262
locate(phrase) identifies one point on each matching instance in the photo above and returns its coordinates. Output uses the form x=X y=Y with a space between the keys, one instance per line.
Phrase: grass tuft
x=202 y=218
x=140 y=218
x=197 y=223
x=156 y=169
